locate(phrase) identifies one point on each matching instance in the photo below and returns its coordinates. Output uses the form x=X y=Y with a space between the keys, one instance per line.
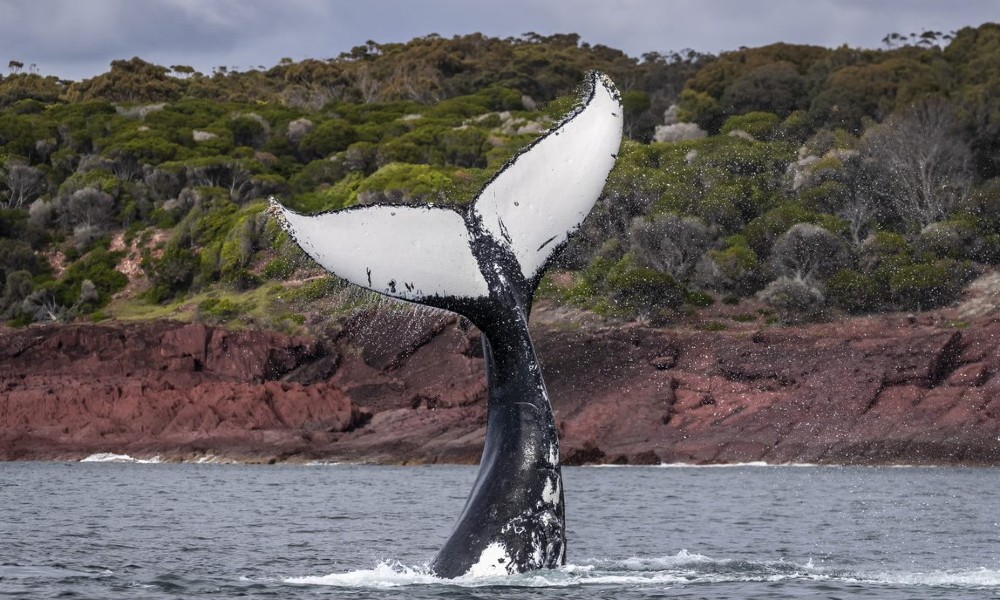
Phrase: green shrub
x=248 y=131
x=315 y=290
x=279 y=269
x=887 y=243
x=761 y=232
x=986 y=249
x=98 y=267
x=947 y=239
x=643 y=290
x=795 y=128
x=739 y=269
x=237 y=248
x=328 y=137
x=855 y=292
x=171 y=274
x=16 y=255
x=929 y=285
x=223 y=309
x=316 y=174
x=699 y=299
x=794 y=299
x=761 y=125
x=17 y=287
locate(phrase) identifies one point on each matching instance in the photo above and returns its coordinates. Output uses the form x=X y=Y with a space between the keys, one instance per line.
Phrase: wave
x=683 y=465
x=110 y=457
x=683 y=568
x=761 y=463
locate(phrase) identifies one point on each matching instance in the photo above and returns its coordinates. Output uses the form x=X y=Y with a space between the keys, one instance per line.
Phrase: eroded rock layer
x=386 y=387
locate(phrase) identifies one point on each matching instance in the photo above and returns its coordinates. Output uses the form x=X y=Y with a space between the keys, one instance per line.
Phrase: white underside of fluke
x=545 y=193
x=409 y=252
x=531 y=207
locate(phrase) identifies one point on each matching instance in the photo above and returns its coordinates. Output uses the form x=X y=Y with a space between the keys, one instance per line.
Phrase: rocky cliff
x=395 y=387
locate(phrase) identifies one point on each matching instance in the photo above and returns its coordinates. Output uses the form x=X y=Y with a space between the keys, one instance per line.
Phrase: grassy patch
x=711 y=326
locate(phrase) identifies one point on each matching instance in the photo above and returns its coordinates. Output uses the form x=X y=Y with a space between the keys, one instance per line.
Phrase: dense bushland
x=814 y=180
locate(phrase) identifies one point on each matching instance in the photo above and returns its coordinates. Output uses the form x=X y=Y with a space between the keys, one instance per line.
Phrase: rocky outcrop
x=399 y=387
x=162 y=388
x=868 y=391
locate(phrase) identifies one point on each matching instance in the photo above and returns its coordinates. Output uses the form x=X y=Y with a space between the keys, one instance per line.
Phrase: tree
x=230 y=174
x=328 y=137
x=183 y=71
x=860 y=205
x=921 y=154
x=808 y=252
x=249 y=129
x=856 y=92
x=793 y=298
x=18 y=286
x=849 y=186
x=774 y=87
x=133 y=80
x=19 y=184
x=91 y=213
x=669 y=243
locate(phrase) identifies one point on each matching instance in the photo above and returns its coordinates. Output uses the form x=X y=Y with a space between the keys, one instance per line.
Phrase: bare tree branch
x=924 y=159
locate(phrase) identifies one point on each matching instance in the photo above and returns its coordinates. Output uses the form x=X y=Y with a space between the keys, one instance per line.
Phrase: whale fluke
x=485 y=263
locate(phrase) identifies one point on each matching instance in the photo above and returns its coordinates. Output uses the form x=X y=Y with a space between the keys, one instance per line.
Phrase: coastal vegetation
x=814 y=181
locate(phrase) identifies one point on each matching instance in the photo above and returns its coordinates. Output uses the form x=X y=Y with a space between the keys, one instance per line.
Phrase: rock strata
x=389 y=387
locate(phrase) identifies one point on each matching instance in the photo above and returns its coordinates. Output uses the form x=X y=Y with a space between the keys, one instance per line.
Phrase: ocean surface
x=126 y=530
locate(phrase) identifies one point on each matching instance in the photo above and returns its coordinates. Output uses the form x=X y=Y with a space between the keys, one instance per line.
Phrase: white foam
x=392 y=575
x=110 y=457
x=683 y=568
x=756 y=463
x=973 y=578
x=681 y=559
x=384 y=575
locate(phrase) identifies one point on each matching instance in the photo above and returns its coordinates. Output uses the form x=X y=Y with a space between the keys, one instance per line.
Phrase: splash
x=678 y=570
x=110 y=457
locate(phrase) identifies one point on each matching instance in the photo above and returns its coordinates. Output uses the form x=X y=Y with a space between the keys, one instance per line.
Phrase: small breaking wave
x=683 y=465
x=110 y=457
x=981 y=578
x=386 y=574
x=681 y=569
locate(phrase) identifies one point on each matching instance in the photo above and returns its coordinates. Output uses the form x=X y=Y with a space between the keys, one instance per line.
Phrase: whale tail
x=505 y=239
x=485 y=263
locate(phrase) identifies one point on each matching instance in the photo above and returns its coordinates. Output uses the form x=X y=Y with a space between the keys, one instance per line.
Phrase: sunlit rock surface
x=386 y=387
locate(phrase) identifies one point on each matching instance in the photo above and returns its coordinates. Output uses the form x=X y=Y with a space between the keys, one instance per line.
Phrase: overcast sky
x=75 y=39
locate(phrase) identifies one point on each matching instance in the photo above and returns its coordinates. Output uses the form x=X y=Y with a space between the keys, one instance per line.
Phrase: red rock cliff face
x=388 y=388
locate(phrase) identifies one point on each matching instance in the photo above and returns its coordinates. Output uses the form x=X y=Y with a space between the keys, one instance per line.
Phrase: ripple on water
x=122 y=530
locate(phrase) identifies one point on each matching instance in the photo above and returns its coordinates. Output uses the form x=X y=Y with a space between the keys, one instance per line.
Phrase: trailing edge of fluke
x=485 y=263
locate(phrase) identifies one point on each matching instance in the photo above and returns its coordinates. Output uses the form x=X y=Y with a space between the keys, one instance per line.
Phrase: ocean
x=127 y=530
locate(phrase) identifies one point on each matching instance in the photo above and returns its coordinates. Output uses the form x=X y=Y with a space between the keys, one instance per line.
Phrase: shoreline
x=210 y=459
x=882 y=390
x=264 y=460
